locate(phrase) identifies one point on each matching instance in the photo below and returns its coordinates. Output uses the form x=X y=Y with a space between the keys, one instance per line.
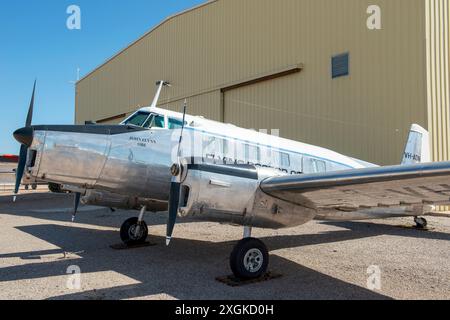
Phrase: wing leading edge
x=370 y=190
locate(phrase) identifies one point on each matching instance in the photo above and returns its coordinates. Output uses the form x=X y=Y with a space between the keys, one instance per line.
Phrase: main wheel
x=128 y=232
x=249 y=259
x=55 y=188
x=421 y=223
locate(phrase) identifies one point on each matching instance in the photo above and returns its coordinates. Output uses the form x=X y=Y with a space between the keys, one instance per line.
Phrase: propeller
x=175 y=187
x=25 y=137
x=76 y=203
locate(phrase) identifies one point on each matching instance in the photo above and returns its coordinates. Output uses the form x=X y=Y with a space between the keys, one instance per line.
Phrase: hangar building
x=349 y=75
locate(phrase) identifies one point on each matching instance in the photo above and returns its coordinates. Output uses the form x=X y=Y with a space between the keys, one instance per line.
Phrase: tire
x=421 y=223
x=55 y=188
x=127 y=232
x=34 y=186
x=247 y=254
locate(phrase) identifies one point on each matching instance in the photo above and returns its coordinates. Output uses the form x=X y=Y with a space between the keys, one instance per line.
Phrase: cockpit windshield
x=154 y=121
x=146 y=120
x=138 y=119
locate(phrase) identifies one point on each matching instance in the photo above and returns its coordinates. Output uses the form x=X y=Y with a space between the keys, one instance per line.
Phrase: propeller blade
x=20 y=168
x=30 y=109
x=174 y=202
x=175 y=186
x=76 y=203
x=25 y=137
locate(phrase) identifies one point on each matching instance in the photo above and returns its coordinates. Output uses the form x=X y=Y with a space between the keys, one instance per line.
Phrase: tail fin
x=418 y=146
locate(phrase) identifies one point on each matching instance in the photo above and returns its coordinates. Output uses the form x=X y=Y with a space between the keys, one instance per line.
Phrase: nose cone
x=24 y=136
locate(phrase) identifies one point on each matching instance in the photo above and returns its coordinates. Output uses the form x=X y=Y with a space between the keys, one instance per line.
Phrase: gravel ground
x=6 y=172
x=319 y=260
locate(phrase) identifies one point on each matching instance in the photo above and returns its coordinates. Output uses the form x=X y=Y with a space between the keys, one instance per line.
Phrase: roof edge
x=143 y=36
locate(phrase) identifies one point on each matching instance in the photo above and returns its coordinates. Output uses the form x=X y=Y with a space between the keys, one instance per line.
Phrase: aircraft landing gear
x=421 y=223
x=134 y=231
x=250 y=257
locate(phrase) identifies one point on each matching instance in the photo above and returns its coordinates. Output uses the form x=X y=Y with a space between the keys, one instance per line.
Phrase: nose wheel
x=133 y=233
x=421 y=223
x=249 y=259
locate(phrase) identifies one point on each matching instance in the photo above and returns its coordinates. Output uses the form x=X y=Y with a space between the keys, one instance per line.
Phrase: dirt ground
x=320 y=260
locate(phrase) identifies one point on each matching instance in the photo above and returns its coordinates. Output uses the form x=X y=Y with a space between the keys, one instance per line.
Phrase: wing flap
x=359 y=189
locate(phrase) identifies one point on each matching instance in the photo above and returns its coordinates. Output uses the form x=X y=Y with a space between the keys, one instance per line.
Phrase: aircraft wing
x=362 y=189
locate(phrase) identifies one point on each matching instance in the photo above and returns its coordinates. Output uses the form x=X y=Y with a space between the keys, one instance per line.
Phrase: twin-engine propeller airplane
x=157 y=160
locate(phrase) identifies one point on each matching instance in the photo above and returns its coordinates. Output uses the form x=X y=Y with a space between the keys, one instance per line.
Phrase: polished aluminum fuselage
x=131 y=169
x=131 y=164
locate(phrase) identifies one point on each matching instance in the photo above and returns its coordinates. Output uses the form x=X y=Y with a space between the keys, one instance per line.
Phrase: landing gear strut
x=134 y=231
x=421 y=223
x=250 y=257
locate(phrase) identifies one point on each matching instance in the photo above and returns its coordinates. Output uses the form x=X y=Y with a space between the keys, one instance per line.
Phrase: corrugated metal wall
x=365 y=115
x=438 y=72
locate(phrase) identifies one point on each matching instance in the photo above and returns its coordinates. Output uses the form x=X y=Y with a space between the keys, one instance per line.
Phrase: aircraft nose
x=24 y=136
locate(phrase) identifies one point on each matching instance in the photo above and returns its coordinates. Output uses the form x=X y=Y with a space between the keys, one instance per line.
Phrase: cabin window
x=285 y=160
x=311 y=165
x=296 y=163
x=138 y=119
x=229 y=151
x=252 y=154
x=155 y=121
x=280 y=159
x=321 y=166
x=267 y=157
x=175 y=124
x=211 y=147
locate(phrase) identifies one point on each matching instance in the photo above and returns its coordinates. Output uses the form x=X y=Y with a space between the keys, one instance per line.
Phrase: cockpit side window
x=175 y=124
x=155 y=121
x=138 y=119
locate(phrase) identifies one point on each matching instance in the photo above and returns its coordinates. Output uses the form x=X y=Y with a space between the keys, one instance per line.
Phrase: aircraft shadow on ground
x=187 y=270
x=45 y=206
x=103 y=217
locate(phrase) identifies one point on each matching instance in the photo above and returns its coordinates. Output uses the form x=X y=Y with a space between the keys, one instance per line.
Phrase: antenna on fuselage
x=160 y=85
x=182 y=129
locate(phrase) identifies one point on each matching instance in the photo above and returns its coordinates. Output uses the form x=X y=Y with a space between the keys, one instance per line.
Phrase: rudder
x=418 y=146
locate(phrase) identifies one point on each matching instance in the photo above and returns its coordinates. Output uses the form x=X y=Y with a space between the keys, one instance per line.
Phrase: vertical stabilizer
x=418 y=146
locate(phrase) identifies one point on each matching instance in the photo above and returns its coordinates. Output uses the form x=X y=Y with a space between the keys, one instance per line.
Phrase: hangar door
x=257 y=106
x=302 y=108
x=273 y=103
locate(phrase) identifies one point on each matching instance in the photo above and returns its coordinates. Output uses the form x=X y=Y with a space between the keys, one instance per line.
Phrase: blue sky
x=35 y=43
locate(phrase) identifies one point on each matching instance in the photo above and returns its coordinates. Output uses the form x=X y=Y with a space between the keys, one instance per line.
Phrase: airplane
x=158 y=160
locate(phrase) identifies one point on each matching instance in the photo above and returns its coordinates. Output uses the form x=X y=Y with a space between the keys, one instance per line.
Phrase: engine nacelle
x=231 y=194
